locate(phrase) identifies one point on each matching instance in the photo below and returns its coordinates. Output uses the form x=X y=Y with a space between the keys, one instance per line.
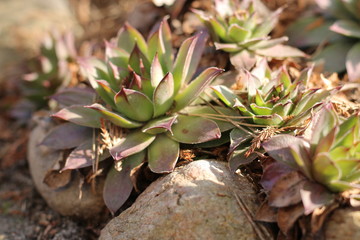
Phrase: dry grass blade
x=263 y=135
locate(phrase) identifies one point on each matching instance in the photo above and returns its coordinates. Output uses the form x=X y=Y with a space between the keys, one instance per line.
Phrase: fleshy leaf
x=118 y=185
x=325 y=170
x=163 y=95
x=313 y=196
x=237 y=33
x=209 y=112
x=237 y=158
x=281 y=51
x=82 y=156
x=286 y=191
x=157 y=73
x=194 y=130
x=159 y=125
x=237 y=137
x=113 y=117
x=134 y=105
x=272 y=172
x=195 y=88
x=347 y=28
x=278 y=147
x=188 y=59
x=225 y=95
x=133 y=143
x=80 y=115
x=75 y=96
x=66 y=136
x=163 y=153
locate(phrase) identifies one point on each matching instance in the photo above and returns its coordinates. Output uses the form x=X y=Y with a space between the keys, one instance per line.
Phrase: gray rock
x=198 y=201
x=64 y=200
x=23 y=25
x=343 y=224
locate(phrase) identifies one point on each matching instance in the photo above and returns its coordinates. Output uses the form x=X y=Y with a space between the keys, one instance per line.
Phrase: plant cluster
x=52 y=70
x=243 y=28
x=145 y=100
x=337 y=32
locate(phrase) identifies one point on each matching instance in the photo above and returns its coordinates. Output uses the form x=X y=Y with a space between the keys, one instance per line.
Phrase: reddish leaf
x=75 y=96
x=314 y=195
x=272 y=171
x=80 y=115
x=67 y=135
x=286 y=191
x=118 y=184
x=288 y=216
x=266 y=213
x=353 y=63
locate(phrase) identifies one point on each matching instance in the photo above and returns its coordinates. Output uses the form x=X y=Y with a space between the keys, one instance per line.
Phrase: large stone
x=201 y=200
x=64 y=200
x=23 y=25
x=343 y=224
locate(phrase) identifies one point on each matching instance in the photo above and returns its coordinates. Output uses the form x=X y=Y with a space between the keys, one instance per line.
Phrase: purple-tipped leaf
x=163 y=154
x=163 y=95
x=272 y=172
x=225 y=95
x=237 y=137
x=347 y=28
x=66 y=136
x=195 y=88
x=118 y=185
x=113 y=117
x=156 y=71
x=133 y=143
x=194 y=130
x=160 y=125
x=80 y=115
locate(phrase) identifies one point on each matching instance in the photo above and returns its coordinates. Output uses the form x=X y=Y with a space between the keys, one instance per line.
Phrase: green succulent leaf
x=188 y=59
x=113 y=117
x=134 y=105
x=195 y=88
x=325 y=170
x=237 y=33
x=134 y=142
x=163 y=154
x=157 y=73
x=80 y=115
x=225 y=95
x=128 y=37
x=192 y=130
x=163 y=95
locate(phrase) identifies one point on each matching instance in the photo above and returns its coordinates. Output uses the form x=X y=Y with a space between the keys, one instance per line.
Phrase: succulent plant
x=329 y=158
x=51 y=72
x=143 y=90
x=273 y=102
x=242 y=29
x=337 y=31
x=272 y=98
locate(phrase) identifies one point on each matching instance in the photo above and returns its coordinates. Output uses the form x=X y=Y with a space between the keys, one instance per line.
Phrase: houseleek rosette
x=143 y=89
x=242 y=29
x=330 y=156
x=272 y=101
